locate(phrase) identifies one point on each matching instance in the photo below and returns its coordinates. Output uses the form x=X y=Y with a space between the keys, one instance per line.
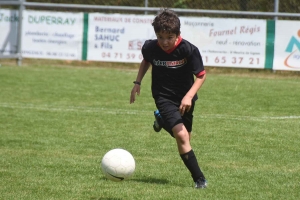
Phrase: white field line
x=72 y=109
x=133 y=112
x=254 y=118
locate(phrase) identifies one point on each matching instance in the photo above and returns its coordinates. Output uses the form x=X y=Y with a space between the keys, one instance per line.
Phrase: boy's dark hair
x=166 y=21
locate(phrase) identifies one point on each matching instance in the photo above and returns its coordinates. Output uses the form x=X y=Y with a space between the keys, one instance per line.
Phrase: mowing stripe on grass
x=134 y=112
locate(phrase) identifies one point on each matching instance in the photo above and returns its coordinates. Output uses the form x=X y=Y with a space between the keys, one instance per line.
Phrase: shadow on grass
x=146 y=180
x=151 y=180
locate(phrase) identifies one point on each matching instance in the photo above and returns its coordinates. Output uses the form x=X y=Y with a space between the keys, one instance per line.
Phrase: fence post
x=276 y=8
x=20 y=27
x=146 y=6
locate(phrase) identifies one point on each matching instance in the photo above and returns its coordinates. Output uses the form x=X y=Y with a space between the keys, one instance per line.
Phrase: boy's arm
x=186 y=102
x=144 y=66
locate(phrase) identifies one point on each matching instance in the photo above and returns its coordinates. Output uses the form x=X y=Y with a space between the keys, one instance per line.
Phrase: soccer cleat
x=200 y=183
x=158 y=123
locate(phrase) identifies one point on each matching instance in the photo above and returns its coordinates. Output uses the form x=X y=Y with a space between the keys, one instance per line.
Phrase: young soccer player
x=177 y=74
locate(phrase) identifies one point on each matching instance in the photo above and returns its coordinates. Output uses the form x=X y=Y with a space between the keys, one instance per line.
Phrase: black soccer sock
x=191 y=163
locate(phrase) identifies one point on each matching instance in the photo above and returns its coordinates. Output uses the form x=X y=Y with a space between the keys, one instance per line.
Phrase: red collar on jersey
x=177 y=43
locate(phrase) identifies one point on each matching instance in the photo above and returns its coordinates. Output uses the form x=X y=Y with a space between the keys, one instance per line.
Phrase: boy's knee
x=180 y=133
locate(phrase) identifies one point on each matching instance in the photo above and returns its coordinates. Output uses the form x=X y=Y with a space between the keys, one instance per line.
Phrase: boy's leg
x=187 y=155
x=158 y=123
x=179 y=127
x=182 y=138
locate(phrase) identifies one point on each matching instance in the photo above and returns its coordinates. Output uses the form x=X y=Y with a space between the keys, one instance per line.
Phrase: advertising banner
x=52 y=35
x=222 y=42
x=287 y=45
x=227 y=42
x=8 y=31
x=118 y=38
x=240 y=43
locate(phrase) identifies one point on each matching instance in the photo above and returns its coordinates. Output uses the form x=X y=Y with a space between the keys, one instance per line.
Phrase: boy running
x=175 y=62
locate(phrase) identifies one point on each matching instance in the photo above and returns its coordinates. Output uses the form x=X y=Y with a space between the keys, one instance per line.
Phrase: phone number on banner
x=60 y=54
x=234 y=60
x=207 y=60
x=123 y=56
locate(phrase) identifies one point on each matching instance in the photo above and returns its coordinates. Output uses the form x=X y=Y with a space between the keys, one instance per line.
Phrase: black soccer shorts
x=169 y=110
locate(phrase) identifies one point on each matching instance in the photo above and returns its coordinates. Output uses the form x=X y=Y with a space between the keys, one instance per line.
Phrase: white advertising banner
x=287 y=45
x=227 y=42
x=118 y=38
x=52 y=35
x=239 y=43
x=8 y=31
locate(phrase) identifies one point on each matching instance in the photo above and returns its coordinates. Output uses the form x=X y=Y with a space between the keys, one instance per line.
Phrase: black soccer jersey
x=173 y=71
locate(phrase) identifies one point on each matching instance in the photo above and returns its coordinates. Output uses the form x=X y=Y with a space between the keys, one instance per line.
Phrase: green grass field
x=56 y=123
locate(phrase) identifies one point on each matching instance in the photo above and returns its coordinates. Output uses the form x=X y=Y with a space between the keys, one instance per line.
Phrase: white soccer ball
x=118 y=165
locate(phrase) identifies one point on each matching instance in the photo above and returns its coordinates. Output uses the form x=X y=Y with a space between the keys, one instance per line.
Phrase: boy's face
x=166 y=40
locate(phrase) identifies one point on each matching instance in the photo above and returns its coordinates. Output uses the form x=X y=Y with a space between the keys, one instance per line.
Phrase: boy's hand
x=185 y=105
x=135 y=90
